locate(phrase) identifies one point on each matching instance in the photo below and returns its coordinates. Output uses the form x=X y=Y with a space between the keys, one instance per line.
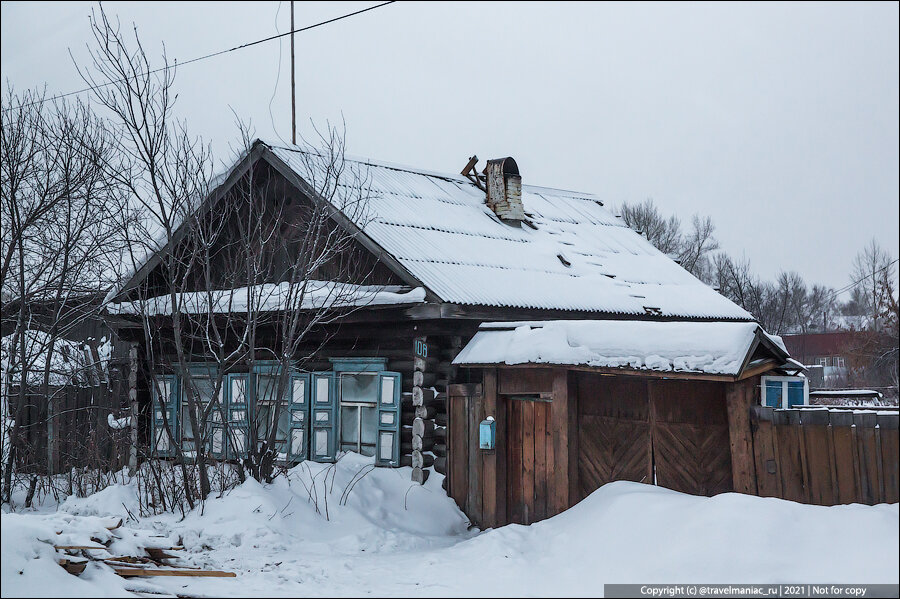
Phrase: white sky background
x=780 y=121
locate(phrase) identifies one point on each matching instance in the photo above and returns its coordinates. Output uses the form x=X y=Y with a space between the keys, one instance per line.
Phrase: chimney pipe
x=504 y=190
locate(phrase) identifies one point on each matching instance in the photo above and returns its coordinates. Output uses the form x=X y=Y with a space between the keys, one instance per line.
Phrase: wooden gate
x=665 y=432
x=529 y=458
x=691 y=446
x=613 y=432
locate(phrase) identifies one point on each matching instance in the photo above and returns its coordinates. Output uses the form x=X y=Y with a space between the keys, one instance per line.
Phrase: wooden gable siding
x=275 y=198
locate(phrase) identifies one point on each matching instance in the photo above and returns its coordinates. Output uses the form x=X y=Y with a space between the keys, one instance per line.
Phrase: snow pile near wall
x=706 y=347
x=633 y=533
x=389 y=537
x=274 y=296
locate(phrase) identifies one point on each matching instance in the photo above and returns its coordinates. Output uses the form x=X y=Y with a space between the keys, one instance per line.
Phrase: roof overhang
x=716 y=351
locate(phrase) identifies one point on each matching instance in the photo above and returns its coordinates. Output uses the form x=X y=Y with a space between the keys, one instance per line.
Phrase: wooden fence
x=85 y=438
x=826 y=457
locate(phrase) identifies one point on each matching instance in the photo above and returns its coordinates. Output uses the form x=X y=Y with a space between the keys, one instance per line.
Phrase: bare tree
x=692 y=249
x=244 y=276
x=59 y=240
x=663 y=233
x=870 y=267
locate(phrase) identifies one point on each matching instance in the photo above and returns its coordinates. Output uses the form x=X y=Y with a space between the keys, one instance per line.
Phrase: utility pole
x=293 y=84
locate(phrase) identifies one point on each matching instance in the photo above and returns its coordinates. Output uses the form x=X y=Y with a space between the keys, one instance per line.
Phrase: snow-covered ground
x=388 y=537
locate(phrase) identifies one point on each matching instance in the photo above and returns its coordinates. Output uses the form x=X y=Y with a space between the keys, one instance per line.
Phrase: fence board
x=845 y=458
x=870 y=479
x=887 y=429
x=817 y=472
x=787 y=439
x=768 y=479
x=826 y=457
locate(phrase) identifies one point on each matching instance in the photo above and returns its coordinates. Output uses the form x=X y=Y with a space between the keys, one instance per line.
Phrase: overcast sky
x=780 y=121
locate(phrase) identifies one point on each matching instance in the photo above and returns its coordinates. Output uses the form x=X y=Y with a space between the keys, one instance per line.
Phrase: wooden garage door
x=691 y=448
x=529 y=459
x=613 y=431
x=668 y=432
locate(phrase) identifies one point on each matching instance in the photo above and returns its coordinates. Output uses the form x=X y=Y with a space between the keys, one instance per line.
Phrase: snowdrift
x=387 y=537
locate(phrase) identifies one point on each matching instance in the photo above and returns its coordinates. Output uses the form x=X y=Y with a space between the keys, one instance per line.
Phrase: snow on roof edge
x=690 y=347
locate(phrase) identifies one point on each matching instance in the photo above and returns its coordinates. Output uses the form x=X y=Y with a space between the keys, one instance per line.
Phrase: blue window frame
x=782 y=392
x=238 y=425
x=323 y=417
x=165 y=413
x=387 y=446
x=310 y=423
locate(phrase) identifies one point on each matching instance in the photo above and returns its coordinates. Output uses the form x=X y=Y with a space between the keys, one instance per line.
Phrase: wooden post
x=559 y=416
x=768 y=480
x=490 y=485
x=420 y=352
x=740 y=397
x=132 y=398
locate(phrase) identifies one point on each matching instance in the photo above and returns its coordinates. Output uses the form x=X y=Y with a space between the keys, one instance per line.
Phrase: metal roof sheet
x=439 y=227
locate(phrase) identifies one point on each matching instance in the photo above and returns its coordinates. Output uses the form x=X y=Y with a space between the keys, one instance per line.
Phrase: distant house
x=826 y=355
x=596 y=356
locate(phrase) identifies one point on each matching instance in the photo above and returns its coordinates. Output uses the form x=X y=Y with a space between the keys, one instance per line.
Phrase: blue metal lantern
x=487 y=432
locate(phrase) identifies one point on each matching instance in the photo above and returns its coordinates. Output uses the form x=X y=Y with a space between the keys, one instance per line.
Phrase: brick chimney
x=504 y=190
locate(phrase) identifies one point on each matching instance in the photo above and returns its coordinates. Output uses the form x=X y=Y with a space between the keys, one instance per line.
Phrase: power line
x=212 y=55
x=871 y=274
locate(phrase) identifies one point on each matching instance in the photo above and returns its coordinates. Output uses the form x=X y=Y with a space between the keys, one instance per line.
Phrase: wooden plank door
x=614 y=440
x=529 y=480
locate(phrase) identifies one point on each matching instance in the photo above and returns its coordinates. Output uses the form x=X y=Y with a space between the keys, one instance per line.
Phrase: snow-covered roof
x=721 y=348
x=572 y=254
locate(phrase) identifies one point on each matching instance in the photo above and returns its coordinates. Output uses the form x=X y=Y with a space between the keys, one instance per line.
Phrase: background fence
x=826 y=457
x=85 y=438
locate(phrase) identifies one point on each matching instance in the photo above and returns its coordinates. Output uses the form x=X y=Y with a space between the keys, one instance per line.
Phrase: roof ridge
x=455 y=178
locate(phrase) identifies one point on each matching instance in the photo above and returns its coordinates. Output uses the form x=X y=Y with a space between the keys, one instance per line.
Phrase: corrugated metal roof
x=439 y=227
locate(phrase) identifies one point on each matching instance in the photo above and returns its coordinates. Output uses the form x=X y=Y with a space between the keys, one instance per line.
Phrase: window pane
x=387 y=390
x=321 y=390
x=284 y=424
x=795 y=393
x=297 y=441
x=237 y=391
x=349 y=428
x=387 y=446
x=162 y=387
x=263 y=417
x=773 y=394
x=361 y=387
x=217 y=441
x=321 y=443
x=203 y=388
x=266 y=388
x=299 y=391
x=369 y=430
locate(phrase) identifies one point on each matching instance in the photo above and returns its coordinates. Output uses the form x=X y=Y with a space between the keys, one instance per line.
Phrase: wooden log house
x=464 y=261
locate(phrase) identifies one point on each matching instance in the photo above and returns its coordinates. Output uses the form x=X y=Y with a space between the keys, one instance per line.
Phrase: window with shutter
x=387 y=447
x=237 y=428
x=323 y=419
x=298 y=418
x=165 y=414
